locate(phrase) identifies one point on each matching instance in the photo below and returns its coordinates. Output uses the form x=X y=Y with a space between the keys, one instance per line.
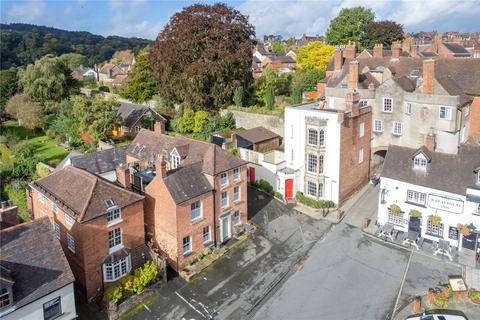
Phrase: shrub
x=114 y=293
x=144 y=275
x=415 y=213
x=103 y=89
x=264 y=186
x=395 y=209
x=238 y=97
x=200 y=119
x=312 y=202
x=234 y=151
x=278 y=195
x=227 y=121
x=187 y=121
x=435 y=219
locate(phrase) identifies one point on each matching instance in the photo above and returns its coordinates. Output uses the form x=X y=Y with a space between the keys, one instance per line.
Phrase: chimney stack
x=378 y=50
x=350 y=50
x=437 y=41
x=353 y=75
x=352 y=103
x=430 y=142
x=161 y=168
x=337 y=59
x=159 y=127
x=396 y=49
x=414 y=50
x=123 y=175
x=428 y=75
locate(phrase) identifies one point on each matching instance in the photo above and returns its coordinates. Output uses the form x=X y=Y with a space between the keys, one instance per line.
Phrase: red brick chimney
x=352 y=103
x=159 y=127
x=437 y=42
x=337 y=60
x=123 y=175
x=378 y=50
x=161 y=168
x=353 y=74
x=414 y=50
x=396 y=49
x=430 y=142
x=350 y=50
x=428 y=76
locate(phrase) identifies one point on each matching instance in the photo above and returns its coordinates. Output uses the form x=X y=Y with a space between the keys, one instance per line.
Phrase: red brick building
x=196 y=193
x=99 y=224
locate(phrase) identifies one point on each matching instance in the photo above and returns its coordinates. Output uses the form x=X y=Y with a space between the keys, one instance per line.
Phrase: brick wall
x=474 y=118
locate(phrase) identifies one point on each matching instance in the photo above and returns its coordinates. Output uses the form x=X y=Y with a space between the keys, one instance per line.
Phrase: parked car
x=439 y=315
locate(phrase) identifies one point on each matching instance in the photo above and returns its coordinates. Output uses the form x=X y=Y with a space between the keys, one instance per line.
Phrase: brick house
x=135 y=117
x=196 y=192
x=99 y=224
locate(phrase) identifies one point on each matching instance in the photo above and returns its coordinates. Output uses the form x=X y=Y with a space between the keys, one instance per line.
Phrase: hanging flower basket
x=415 y=213
x=463 y=229
x=435 y=219
x=395 y=209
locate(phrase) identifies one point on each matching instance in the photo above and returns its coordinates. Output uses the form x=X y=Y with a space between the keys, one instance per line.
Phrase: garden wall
x=250 y=120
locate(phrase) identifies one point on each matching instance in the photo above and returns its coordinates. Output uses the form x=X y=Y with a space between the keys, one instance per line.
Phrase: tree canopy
x=140 y=84
x=28 y=113
x=47 y=80
x=8 y=86
x=73 y=60
x=315 y=55
x=349 y=25
x=202 y=55
x=384 y=32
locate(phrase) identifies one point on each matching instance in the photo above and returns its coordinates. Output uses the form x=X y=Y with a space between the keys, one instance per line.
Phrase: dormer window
x=109 y=203
x=420 y=163
x=175 y=159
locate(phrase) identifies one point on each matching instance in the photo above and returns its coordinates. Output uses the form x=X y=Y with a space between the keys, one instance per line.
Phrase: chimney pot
x=378 y=50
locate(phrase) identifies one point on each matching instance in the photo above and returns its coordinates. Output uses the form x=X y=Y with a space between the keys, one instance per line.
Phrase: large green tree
x=384 y=32
x=140 y=84
x=97 y=116
x=28 y=112
x=73 y=60
x=202 y=55
x=349 y=25
x=65 y=124
x=8 y=86
x=48 y=80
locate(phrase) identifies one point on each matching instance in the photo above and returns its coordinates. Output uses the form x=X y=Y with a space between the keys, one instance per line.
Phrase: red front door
x=289 y=188
x=252 y=175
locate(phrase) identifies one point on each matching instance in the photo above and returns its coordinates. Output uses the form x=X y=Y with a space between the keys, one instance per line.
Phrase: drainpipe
x=214 y=216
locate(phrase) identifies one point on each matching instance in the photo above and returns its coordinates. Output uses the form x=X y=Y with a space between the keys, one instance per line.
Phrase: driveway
x=236 y=284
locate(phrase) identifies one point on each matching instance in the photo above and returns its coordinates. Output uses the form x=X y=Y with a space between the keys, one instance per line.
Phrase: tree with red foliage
x=202 y=55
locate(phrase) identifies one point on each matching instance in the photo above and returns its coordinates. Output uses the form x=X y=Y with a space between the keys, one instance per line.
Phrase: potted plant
x=415 y=213
x=435 y=219
x=474 y=296
x=464 y=229
x=395 y=209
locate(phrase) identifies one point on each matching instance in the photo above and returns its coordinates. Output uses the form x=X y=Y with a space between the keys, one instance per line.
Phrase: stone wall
x=250 y=120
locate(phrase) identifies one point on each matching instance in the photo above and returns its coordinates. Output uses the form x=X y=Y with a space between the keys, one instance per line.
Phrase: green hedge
x=264 y=186
x=312 y=202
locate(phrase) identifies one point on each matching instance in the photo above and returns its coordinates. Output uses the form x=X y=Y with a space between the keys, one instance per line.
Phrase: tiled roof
x=82 y=193
x=447 y=172
x=187 y=182
x=131 y=112
x=151 y=146
x=100 y=161
x=35 y=261
x=257 y=134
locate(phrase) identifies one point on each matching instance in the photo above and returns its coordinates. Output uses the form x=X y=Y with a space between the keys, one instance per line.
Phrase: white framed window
x=225 y=199
x=377 y=125
x=361 y=129
x=68 y=219
x=114 y=216
x=435 y=229
x=196 y=210
x=175 y=161
x=446 y=113
x=187 y=245
x=420 y=163
x=224 y=179
x=236 y=174
x=387 y=105
x=4 y=298
x=206 y=234
x=311 y=188
x=54 y=207
x=408 y=108
x=363 y=103
x=56 y=228
x=237 y=218
x=52 y=309
x=397 y=128
x=41 y=198
x=416 y=197
x=320 y=164
x=312 y=162
x=360 y=155
x=321 y=137
x=312 y=137
x=236 y=194
x=115 y=270
x=138 y=128
x=70 y=242
x=115 y=239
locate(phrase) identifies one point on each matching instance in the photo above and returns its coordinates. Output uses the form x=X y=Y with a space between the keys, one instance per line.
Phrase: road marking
x=401 y=285
x=191 y=305
x=148 y=309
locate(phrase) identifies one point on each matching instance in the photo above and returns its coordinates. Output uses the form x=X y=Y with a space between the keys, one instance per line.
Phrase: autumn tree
x=315 y=55
x=140 y=84
x=202 y=55
x=384 y=32
x=8 y=86
x=47 y=80
x=28 y=112
x=96 y=116
x=349 y=25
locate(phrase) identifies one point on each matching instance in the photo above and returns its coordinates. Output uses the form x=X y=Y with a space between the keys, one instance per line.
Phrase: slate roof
x=446 y=172
x=281 y=58
x=257 y=134
x=101 y=161
x=83 y=194
x=62 y=164
x=187 y=182
x=457 y=49
x=35 y=261
x=151 y=146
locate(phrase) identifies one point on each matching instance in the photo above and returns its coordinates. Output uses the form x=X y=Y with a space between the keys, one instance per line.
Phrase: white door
x=226 y=228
